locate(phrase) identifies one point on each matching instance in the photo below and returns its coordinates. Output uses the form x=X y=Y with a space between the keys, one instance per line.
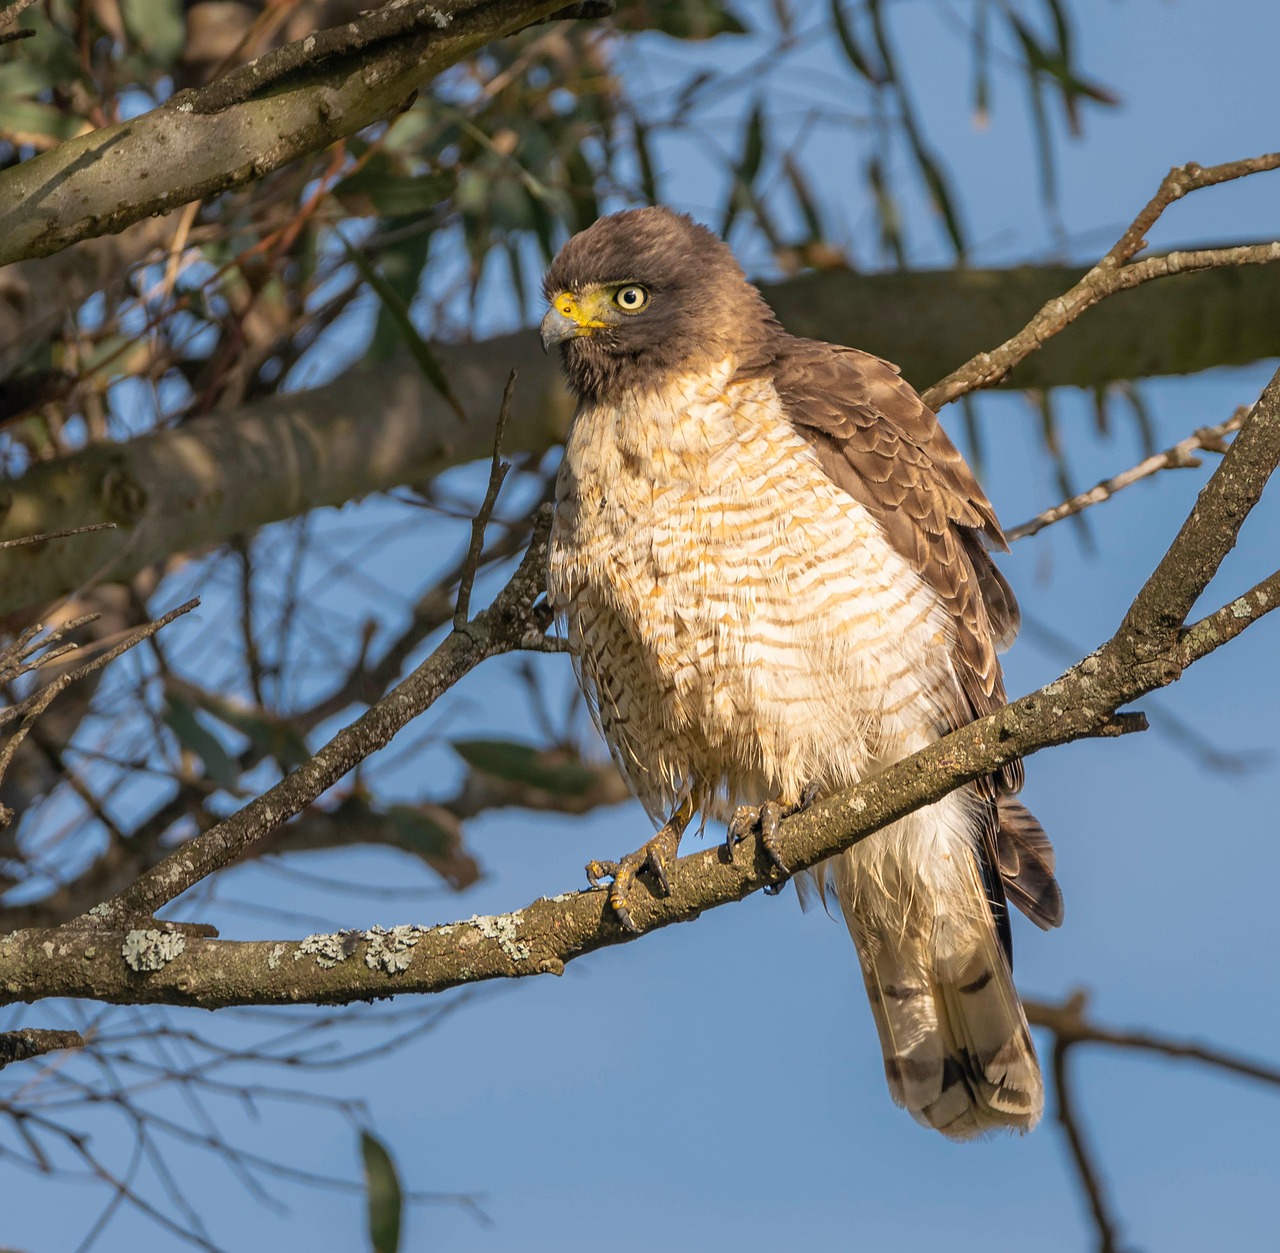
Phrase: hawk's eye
x=631 y=298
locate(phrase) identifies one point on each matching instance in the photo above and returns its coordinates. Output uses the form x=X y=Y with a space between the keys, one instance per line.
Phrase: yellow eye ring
x=631 y=298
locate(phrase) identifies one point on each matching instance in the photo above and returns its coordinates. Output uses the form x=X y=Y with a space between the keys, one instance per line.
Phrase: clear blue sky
x=719 y=1084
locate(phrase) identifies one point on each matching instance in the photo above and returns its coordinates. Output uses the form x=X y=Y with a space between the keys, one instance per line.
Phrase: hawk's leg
x=766 y=819
x=655 y=857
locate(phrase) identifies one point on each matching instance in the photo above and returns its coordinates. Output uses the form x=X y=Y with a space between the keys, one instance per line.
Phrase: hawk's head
x=647 y=294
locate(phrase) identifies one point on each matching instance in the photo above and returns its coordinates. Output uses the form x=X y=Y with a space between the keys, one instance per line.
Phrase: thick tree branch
x=215 y=138
x=21 y=1046
x=376 y=428
x=1150 y=649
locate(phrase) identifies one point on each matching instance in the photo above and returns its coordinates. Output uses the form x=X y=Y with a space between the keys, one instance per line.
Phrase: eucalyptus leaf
x=383 y=1193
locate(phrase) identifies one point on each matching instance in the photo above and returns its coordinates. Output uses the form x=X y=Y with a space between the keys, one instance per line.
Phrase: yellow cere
x=582 y=312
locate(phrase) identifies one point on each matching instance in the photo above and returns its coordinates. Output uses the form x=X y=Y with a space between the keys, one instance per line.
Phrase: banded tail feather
x=958 y=1053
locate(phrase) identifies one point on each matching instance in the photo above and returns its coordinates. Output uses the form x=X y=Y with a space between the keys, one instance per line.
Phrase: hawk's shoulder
x=877 y=440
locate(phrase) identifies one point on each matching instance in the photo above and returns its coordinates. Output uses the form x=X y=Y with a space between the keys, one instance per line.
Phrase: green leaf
x=940 y=194
x=887 y=212
x=527 y=765
x=378 y=187
x=981 y=67
x=180 y=718
x=401 y=264
x=853 y=50
x=399 y=311
x=804 y=198
x=648 y=179
x=382 y=1189
x=272 y=737
x=681 y=19
x=156 y=26
x=745 y=169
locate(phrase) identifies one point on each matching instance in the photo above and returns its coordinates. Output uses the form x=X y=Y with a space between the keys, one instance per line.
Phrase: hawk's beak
x=571 y=316
x=557 y=327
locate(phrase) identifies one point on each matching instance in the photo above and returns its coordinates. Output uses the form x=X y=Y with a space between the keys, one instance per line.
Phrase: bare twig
x=19 y=1046
x=71 y=530
x=1179 y=456
x=1068 y=1022
x=497 y=476
x=35 y=703
x=1112 y=274
x=1069 y=1026
x=508 y=624
x=1090 y=1178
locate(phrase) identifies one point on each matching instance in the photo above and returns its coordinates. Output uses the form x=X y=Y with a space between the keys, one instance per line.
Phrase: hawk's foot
x=655 y=857
x=766 y=819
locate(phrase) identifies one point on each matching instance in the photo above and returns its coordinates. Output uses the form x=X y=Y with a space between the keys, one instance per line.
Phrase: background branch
x=1110 y=275
x=218 y=138
x=378 y=427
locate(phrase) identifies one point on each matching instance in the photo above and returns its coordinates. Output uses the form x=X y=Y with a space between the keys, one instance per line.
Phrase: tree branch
x=1181 y=456
x=21 y=1046
x=231 y=132
x=509 y=623
x=1112 y=274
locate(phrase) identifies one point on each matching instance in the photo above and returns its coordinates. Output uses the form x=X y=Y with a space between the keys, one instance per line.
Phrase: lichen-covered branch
x=295 y=100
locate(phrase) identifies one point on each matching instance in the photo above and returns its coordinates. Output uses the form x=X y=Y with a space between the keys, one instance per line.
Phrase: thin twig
x=1180 y=456
x=19 y=1046
x=497 y=475
x=34 y=704
x=1067 y=1021
x=44 y=535
x=1112 y=274
x=1090 y=1177
x=510 y=623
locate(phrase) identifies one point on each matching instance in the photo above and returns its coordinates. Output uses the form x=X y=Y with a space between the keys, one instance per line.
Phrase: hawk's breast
x=740 y=622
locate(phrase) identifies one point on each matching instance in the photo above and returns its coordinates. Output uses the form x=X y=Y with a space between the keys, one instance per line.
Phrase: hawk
x=771 y=567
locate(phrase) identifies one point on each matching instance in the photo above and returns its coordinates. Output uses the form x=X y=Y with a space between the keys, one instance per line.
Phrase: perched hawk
x=772 y=569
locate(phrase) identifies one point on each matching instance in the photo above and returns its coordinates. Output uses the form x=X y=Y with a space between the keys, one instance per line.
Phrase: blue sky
x=719 y=1084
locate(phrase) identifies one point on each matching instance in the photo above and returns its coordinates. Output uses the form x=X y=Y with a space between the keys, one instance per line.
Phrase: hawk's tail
x=957 y=1050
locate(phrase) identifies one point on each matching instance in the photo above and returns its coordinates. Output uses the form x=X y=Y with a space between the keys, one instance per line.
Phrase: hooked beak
x=556 y=328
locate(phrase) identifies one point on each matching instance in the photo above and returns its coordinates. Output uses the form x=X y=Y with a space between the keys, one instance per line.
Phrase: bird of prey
x=771 y=567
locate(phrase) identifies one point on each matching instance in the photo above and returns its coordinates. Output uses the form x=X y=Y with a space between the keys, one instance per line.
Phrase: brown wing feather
x=882 y=444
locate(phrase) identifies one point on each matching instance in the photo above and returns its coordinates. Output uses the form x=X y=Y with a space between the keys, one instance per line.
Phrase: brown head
x=646 y=294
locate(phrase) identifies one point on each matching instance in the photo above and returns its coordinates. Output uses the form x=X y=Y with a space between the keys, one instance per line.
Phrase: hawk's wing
x=878 y=441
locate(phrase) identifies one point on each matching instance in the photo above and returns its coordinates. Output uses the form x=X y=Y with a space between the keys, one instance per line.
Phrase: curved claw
x=597 y=870
x=766 y=819
x=655 y=857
